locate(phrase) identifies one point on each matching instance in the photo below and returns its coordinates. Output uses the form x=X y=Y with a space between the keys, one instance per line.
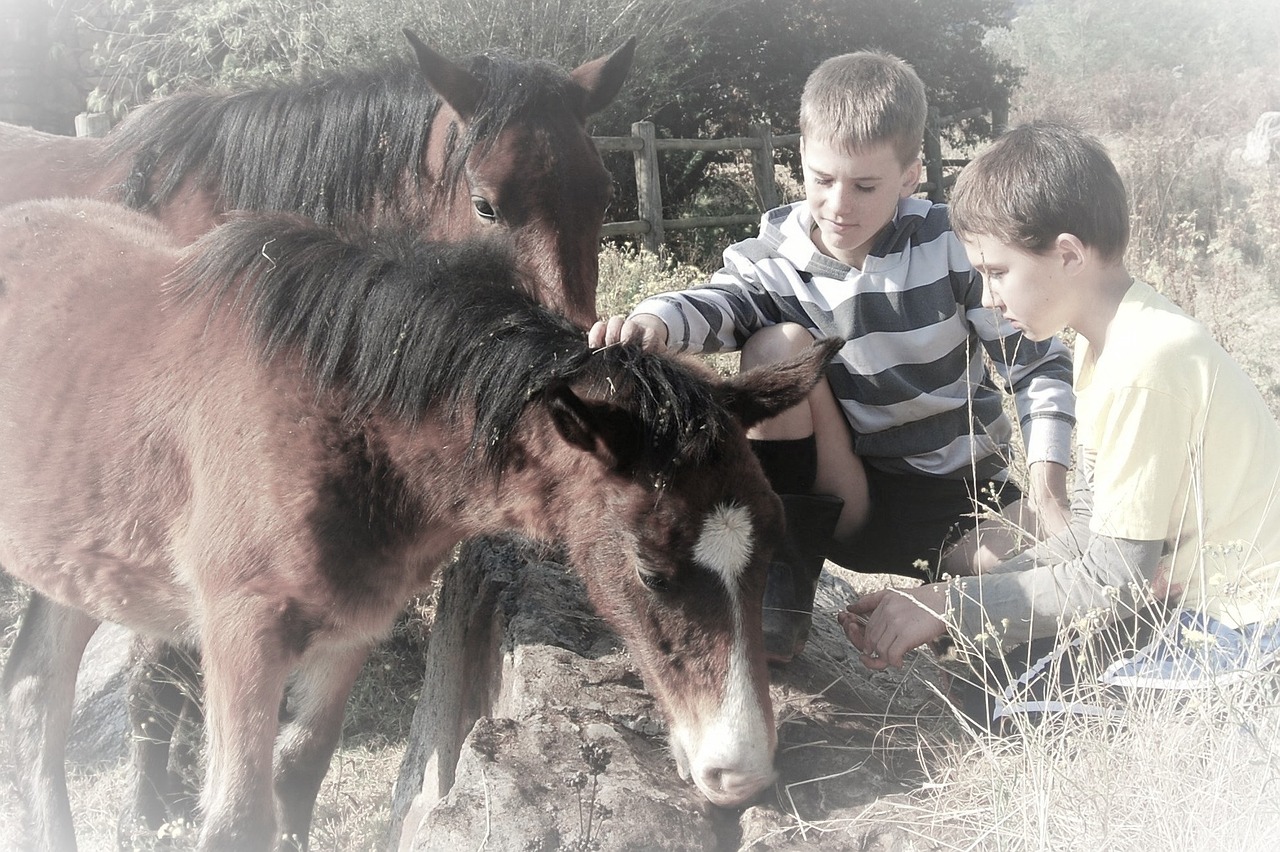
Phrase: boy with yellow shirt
x=1175 y=537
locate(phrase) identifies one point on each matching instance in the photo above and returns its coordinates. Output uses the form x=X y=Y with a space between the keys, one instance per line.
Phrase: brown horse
x=265 y=448
x=493 y=146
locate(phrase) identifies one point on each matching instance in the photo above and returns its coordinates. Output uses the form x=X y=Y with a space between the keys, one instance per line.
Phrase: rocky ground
x=559 y=693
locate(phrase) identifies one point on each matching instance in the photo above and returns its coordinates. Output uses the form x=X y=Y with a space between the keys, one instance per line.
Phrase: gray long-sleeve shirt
x=1074 y=577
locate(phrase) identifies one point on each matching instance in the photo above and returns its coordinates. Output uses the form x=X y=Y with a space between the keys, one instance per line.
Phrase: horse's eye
x=654 y=582
x=484 y=209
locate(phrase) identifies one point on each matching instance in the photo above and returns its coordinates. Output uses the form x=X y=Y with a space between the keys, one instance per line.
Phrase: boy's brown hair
x=857 y=100
x=1040 y=180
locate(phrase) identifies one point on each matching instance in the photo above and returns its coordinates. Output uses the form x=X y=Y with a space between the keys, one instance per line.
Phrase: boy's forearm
x=1047 y=488
x=1006 y=608
x=708 y=319
x=1043 y=396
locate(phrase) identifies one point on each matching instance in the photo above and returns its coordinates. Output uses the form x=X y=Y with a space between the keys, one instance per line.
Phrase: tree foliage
x=1079 y=40
x=749 y=63
x=703 y=68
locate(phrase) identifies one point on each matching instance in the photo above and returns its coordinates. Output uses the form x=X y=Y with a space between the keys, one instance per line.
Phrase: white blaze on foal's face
x=729 y=751
x=725 y=544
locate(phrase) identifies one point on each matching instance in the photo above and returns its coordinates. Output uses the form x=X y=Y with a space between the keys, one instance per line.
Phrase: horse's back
x=57 y=250
x=152 y=457
x=74 y=264
x=84 y=440
x=35 y=165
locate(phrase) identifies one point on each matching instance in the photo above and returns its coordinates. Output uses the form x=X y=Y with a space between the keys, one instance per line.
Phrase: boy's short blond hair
x=857 y=100
x=1041 y=180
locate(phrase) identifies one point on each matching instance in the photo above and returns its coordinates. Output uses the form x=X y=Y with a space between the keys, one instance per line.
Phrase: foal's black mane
x=328 y=147
x=398 y=323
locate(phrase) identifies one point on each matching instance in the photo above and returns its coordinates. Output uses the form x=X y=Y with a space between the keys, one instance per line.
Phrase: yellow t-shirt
x=1184 y=450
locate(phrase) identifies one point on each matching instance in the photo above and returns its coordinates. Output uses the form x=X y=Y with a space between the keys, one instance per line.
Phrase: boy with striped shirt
x=882 y=467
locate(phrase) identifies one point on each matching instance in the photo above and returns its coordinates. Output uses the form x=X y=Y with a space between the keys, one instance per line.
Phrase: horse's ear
x=455 y=85
x=605 y=431
x=602 y=78
x=768 y=390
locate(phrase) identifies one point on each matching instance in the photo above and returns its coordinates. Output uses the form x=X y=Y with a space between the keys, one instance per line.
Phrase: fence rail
x=645 y=148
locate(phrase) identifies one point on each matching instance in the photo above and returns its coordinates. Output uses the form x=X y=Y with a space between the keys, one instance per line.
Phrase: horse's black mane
x=328 y=147
x=402 y=324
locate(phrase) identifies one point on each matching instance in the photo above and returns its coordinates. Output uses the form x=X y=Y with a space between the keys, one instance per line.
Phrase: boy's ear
x=1072 y=251
x=910 y=178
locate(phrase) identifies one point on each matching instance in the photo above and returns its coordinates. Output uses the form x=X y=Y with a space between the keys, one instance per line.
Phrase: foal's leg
x=317 y=703
x=245 y=666
x=163 y=685
x=39 y=691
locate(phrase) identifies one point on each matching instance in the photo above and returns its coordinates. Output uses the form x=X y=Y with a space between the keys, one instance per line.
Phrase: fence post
x=92 y=124
x=1000 y=116
x=648 y=187
x=933 y=158
x=762 y=167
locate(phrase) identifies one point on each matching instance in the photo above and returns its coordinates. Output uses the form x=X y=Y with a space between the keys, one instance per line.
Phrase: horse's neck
x=457 y=494
x=189 y=214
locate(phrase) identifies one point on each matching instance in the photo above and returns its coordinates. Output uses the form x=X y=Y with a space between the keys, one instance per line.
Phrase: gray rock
x=526 y=691
x=100 y=723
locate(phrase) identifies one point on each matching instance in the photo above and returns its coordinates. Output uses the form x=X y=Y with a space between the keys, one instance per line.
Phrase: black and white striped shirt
x=911 y=378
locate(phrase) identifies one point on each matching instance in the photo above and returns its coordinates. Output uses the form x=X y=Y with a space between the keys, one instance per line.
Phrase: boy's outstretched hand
x=645 y=329
x=885 y=625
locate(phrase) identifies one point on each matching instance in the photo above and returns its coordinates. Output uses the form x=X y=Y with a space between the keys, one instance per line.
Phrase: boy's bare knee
x=775 y=343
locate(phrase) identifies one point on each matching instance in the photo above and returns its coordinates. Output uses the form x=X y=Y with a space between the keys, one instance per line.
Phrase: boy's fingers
x=617 y=330
x=650 y=341
x=878 y=664
x=866 y=603
x=853 y=630
x=896 y=652
x=605 y=332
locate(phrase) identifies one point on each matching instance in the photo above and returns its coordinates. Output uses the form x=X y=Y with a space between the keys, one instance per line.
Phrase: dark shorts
x=913 y=519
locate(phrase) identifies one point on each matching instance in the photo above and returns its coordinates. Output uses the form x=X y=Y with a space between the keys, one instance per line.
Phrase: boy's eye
x=864 y=188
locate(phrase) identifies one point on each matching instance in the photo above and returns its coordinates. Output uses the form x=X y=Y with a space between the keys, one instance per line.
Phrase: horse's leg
x=245 y=666
x=39 y=689
x=184 y=749
x=317 y=704
x=162 y=685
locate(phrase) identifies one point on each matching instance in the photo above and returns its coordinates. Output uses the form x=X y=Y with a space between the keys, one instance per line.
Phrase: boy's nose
x=989 y=297
x=842 y=201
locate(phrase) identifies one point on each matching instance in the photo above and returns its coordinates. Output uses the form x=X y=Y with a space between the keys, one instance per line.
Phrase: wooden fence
x=645 y=147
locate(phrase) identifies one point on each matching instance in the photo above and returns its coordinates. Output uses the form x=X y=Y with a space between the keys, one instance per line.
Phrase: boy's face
x=1027 y=289
x=852 y=196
